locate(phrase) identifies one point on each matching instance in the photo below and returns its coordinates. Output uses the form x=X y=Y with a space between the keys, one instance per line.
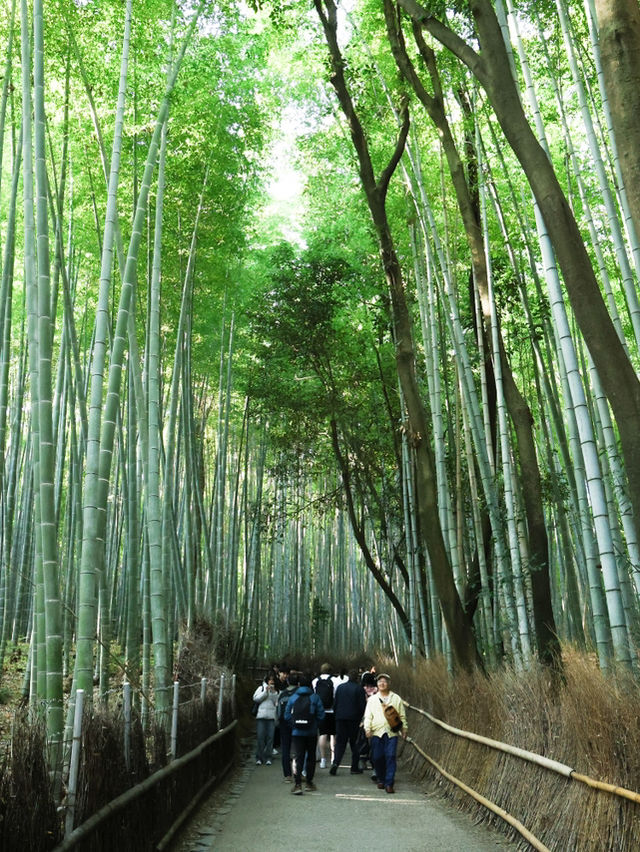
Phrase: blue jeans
x=383 y=757
x=264 y=738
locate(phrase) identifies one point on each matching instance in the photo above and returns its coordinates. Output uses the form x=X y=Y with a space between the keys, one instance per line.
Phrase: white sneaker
x=323 y=763
x=258 y=763
x=275 y=751
x=267 y=763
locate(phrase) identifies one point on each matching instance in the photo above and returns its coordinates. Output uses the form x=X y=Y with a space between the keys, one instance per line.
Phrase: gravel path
x=254 y=811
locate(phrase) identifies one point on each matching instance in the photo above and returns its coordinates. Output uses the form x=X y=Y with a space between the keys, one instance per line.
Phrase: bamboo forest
x=320 y=324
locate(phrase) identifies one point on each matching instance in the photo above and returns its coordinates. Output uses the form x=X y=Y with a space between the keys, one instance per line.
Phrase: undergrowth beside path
x=588 y=721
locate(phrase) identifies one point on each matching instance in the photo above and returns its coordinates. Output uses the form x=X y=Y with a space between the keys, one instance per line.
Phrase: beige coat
x=375 y=722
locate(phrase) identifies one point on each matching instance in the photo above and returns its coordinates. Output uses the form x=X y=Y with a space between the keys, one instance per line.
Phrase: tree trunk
x=519 y=411
x=619 y=36
x=458 y=625
x=358 y=532
x=618 y=376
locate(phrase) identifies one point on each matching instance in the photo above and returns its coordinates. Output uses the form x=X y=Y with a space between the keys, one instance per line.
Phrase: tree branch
x=385 y=177
x=446 y=37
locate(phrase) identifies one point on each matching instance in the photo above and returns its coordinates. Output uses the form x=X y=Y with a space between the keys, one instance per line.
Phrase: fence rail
x=487 y=803
x=532 y=757
x=162 y=795
x=132 y=751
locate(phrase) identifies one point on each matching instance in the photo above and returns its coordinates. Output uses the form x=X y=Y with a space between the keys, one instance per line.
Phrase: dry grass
x=28 y=818
x=590 y=722
x=28 y=809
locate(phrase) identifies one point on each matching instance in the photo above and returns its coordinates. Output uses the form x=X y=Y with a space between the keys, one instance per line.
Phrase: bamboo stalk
x=609 y=788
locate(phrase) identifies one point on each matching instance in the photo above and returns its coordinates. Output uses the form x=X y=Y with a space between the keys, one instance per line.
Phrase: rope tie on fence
x=532 y=757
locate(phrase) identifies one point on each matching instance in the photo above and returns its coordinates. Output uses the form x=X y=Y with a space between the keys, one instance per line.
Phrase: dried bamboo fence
x=531 y=757
x=147 y=816
x=128 y=720
x=126 y=785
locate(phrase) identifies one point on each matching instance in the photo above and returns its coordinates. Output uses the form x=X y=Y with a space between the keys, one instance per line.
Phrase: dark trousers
x=383 y=757
x=303 y=748
x=363 y=748
x=347 y=731
x=285 y=743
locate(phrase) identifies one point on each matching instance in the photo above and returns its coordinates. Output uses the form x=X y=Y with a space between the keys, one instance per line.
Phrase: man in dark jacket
x=348 y=708
x=303 y=711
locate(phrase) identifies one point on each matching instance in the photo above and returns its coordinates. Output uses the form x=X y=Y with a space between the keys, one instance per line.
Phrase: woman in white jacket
x=266 y=696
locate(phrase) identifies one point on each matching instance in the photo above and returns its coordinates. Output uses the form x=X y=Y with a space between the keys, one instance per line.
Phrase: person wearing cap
x=384 y=741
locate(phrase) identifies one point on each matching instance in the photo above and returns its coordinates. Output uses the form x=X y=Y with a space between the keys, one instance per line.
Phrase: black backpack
x=283 y=700
x=324 y=688
x=301 y=715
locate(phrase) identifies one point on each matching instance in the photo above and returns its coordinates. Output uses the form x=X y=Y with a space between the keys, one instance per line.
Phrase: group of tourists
x=312 y=719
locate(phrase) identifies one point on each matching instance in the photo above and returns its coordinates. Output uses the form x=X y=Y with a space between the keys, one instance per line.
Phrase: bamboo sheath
x=532 y=757
x=487 y=803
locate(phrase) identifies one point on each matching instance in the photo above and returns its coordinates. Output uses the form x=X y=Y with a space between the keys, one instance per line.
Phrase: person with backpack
x=385 y=720
x=304 y=711
x=282 y=674
x=348 y=707
x=284 y=726
x=323 y=686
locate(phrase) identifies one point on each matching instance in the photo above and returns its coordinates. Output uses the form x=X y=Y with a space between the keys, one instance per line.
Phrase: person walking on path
x=282 y=674
x=383 y=737
x=266 y=697
x=368 y=681
x=324 y=686
x=348 y=706
x=304 y=710
x=284 y=726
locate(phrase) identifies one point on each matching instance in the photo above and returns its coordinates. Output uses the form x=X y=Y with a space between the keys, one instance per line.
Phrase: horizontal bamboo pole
x=117 y=804
x=608 y=788
x=191 y=807
x=532 y=757
x=487 y=803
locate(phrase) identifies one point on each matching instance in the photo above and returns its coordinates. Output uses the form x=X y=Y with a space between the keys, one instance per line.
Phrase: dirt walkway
x=255 y=812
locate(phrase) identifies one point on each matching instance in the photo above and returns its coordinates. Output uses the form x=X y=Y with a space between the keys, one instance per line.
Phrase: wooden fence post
x=75 y=763
x=234 y=709
x=174 y=720
x=126 y=701
x=220 y=699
